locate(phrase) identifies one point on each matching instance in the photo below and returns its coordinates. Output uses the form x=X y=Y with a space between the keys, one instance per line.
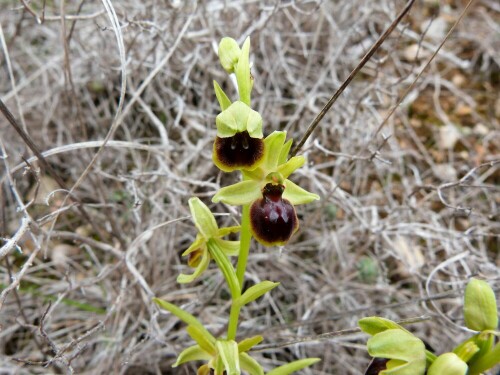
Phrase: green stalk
x=245 y=238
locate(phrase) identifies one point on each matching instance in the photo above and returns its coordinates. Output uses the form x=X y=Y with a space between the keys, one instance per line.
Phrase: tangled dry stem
x=118 y=96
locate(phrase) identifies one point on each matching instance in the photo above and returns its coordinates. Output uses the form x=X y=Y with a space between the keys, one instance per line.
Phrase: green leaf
x=229 y=53
x=226 y=268
x=242 y=72
x=203 y=218
x=406 y=353
x=448 y=364
x=228 y=351
x=250 y=365
x=247 y=344
x=193 y=353
x=241 y=193
x=480 y=306
x=374 y=324
x=296 y=195
x=256 y=291
x=237 y=118
x=184 y=316
x=222 y=98
x=291 y=166
x=291 y=367
x=201 y=339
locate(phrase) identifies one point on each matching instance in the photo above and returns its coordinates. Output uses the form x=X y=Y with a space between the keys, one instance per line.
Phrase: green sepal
x=291 y=367
x=203 y=218
x=193 y=353
x=247 y=344
x=228 y=352
x=222 y=98
x=291 y=166
x=228 y=230
x=226 y=268
x=374 y=324
x=237 y=118
x=406 y=353
x=241 y=193
x=229 y=53
x=201 y=339
x=273 y=144
x=250 y=365
x=256 y=291
x=184 y=316
x=285 y=150
x=242 y=72
x=480 y=306
x=448 y=364
x=296 y=195
x=204 y=262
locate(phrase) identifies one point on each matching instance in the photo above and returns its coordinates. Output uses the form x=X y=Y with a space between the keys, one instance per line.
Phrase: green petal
x=227 y=230
x=296 y=195
x=222 y=98
x=199 y=243
x=193 y=353
x=203 y=218
x=243 y=192
x=284 y=152
x=205 y=260
x=250 y=365
x=201 y=339
x=238 y=118
x=291 y=165
x=230 y=248
x=272 y=150
x=228 y=351
x=291 y=367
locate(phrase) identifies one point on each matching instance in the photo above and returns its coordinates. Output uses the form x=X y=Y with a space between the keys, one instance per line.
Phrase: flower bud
x=448 y=364
x=480 y=306
x=273 y=219
x=229 y=54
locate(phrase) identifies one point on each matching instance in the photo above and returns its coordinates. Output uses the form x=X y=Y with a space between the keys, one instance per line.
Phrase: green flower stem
x=232 y=327
x=430 y=357
x=487 y=361
x=245 y=238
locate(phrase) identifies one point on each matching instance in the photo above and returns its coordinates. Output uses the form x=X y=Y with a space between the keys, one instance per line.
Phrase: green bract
x=209 y=234
x=448 y=364
x=480 y=306
x=273 y=169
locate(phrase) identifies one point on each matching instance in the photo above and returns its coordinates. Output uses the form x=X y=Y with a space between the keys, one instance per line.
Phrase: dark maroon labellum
x=238 y=152
x=376 y=365
x=273 y=219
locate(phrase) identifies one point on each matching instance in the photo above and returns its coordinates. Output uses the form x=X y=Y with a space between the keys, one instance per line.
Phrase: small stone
x=448 y=136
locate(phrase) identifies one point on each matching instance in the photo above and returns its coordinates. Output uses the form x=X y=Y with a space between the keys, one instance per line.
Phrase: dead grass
x=405 y=215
